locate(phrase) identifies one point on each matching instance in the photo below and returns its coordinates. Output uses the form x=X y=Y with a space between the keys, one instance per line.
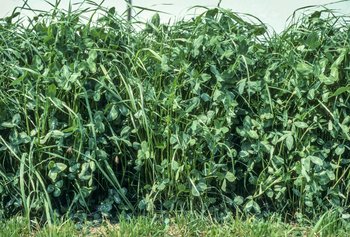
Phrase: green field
x=177 y=226
x=213 y=126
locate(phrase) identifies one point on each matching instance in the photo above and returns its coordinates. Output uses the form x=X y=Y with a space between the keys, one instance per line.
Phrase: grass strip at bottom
x=179 y=225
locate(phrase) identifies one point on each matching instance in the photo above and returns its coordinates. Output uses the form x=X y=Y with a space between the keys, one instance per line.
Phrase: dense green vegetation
x=211 y=115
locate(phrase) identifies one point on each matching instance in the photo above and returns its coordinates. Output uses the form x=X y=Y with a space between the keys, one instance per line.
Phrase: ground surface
x=179 y=226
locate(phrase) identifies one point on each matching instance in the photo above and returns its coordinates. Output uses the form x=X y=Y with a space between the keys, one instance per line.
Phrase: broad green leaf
x=55 y=170
x=241 y=85
x=16 y=119
x=164 y=64
x=50 y=188
x=59 y=184
x=301 y=124
x=113 y=113
x=174 y=165
x=304 y=68
x=197 y=43
x=243 y=154
x=238 y=200
x=155 y=20
x=312 y=40
x=205 y=77
x=84 y=173
x=92 y=61
x=57 y=134
x=52 y=90
x=201 y=186
x=194 y=102
x=161 y=186
x=316 y=160
x=230 y=176
x=8 y=125
x=252 y=206
x=57 y=192
x=340 y=150
x=330 y=174
x=61 y=166
x=253 y=134
x=305 y=168
x=195 y=191
x=341 y=90
x=289 y=142
x=224 y=185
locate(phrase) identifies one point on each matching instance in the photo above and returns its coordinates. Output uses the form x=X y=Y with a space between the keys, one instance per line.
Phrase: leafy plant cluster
x=209 y=114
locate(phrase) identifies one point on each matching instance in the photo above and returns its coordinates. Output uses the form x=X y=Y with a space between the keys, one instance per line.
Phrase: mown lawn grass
x=182 y=225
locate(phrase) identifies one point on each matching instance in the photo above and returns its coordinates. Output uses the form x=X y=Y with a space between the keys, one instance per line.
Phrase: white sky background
x=271 y=12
